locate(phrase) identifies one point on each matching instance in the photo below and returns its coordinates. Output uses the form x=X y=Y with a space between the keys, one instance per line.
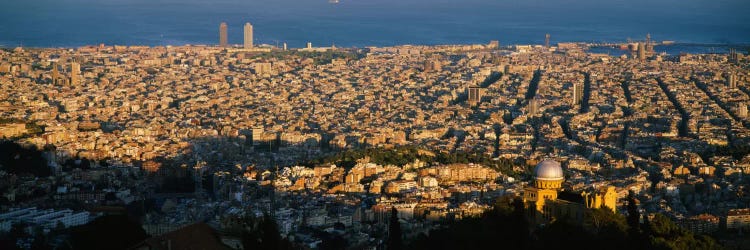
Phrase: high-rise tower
x=248 y=36
x=55 y=72
x=475 y=95
x=533 y=107
x=577 y=93
x=642 y=51
x=649 y=47
x=733 y=56
x=223 y=35
x=75 y=73
x=731 y=80
x=741 y=109
x=546 y=40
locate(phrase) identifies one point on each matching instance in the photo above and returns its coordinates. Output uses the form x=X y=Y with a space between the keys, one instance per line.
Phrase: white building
x=48 y=218
x=428 y=181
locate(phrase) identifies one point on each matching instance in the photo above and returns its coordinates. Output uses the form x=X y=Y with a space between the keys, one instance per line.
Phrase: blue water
x=359 y=23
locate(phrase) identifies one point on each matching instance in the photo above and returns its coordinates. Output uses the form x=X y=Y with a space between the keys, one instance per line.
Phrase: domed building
x=548 y=175
x=548 y=179
x=545 y=201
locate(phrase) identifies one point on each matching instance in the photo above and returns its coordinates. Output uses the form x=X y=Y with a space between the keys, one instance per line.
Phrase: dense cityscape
x=332 y=145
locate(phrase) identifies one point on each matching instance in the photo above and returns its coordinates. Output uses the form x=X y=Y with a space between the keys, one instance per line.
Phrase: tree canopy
x=395 y=236
x=505 y=227
x=19 y=160
x=107 y=232
x=263 y=233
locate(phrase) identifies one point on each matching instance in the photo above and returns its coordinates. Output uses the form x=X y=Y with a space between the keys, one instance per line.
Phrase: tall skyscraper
x=642 y=51
x=55 y=72
x=475 y=95
x=731 y=80
x=75 y=73
x=733 y=56
x=533 y=106
x=546 y=40
x=577 y=93
x=742 y=109
x=223 y=41
x=248 y=36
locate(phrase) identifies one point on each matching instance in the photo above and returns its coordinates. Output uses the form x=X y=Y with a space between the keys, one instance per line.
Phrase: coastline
x=691 y=47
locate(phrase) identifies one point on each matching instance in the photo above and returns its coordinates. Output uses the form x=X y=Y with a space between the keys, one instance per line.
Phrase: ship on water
x=333 y=1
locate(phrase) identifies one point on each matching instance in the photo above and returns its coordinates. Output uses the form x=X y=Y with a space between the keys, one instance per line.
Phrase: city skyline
x=374 y=125
x=436 y=133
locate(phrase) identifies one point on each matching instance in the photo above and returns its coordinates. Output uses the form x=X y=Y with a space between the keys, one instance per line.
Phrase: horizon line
x=238 y=45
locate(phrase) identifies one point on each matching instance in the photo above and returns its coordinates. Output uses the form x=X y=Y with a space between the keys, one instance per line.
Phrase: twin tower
x=223 y=41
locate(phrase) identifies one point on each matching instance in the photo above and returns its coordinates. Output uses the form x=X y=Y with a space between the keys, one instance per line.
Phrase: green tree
x=633 y=217
x=59 y=226
x=263 y=234
x=107 y=232
x=598 y=219
x=271 y=237
x=665 y=234
x=394 y=231
x=332 y=241
x=20 y=160
x=250 y=238
x=504 y=223
x=40 y=242
x=646 y=227
x=608 y=228
x=561 y=234
x=17 y=232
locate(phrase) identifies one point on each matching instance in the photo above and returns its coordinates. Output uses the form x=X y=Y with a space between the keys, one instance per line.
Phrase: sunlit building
x=642 y=51
x=248 y=36
x=475 y=95
x=738 y=219
x=223 y=41
x=577 y=93
x=545 y=202
x=75 y=73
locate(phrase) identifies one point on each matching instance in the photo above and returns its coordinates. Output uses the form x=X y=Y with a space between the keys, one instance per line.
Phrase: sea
x=708 y=26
